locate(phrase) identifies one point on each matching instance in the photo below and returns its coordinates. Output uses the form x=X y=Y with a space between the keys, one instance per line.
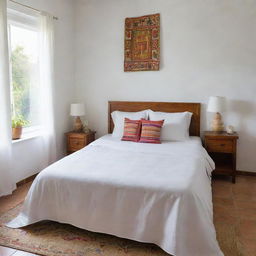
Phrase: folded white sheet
x=158 y=193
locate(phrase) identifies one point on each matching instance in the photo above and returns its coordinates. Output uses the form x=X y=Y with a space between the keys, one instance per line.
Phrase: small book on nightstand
x=221 y=146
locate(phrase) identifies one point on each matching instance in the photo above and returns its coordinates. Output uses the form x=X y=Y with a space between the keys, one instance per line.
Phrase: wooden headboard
x=132 y=106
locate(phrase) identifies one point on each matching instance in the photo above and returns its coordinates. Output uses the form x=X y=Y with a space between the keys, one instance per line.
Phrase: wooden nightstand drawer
x=76 y=143
x=222 y=149
x=224 y=146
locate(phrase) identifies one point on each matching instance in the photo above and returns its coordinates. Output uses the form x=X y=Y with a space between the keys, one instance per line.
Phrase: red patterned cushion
x=131 y=130
x=150 y=131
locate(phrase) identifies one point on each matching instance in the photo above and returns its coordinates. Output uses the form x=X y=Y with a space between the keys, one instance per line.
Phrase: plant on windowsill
x=17 y=124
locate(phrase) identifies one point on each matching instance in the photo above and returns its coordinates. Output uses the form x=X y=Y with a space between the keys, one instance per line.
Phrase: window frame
x=30 y=22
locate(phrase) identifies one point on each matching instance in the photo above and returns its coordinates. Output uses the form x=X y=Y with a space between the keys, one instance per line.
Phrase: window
x=23 y=31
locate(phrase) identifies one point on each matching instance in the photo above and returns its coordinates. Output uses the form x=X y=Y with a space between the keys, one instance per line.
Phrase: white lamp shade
x=77 y=109
x=216 y=104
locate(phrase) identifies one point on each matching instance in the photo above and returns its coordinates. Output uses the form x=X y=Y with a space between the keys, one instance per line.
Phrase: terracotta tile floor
x=234 y=204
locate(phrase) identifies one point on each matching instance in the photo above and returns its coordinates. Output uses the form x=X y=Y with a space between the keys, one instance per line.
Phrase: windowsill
x=27 y=136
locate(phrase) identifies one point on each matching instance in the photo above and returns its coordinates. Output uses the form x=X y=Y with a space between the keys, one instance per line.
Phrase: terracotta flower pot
x=16 y=133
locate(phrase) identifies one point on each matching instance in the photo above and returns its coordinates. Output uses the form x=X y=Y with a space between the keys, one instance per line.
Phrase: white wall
x=26 y=154
x=208 y=47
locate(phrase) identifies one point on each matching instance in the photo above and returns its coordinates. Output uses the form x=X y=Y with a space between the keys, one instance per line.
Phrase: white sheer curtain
x=7 y=185
x=47 y=87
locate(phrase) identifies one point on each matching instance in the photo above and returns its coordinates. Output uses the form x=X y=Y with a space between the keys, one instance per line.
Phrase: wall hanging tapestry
x=142 y=43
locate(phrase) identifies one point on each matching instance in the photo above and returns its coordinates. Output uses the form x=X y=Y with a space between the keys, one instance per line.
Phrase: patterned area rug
x=55 y=239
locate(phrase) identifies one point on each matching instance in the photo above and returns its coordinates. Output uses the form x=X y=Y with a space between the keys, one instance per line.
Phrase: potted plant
x=17 y=124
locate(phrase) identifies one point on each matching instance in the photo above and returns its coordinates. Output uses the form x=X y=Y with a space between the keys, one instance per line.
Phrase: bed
x=151 y=193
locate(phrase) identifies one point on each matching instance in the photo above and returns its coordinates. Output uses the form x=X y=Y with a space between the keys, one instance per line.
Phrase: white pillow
x=176 y=125
x=118 y=119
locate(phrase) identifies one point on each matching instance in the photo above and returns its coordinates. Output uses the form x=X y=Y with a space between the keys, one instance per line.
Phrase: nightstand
x=222 y=148
x=78 y=140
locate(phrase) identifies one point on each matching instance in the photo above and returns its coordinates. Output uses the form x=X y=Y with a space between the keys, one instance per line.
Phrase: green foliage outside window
x=20 y=85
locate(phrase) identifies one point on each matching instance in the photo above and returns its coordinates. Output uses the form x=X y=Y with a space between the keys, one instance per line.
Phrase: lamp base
x=78 y=125
x=217 y=124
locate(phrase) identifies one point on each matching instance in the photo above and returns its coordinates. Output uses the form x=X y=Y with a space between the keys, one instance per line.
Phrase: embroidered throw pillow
x=151 y=131
x=131 y=130
x=118 y=120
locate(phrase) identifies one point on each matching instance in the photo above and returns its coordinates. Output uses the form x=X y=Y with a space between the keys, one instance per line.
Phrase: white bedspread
x=150 y=193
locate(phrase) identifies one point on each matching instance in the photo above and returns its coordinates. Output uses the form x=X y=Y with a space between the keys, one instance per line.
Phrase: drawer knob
x=222 y=145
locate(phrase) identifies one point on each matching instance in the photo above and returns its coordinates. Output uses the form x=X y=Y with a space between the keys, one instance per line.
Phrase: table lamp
x=216 y=105
x=77 y=110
